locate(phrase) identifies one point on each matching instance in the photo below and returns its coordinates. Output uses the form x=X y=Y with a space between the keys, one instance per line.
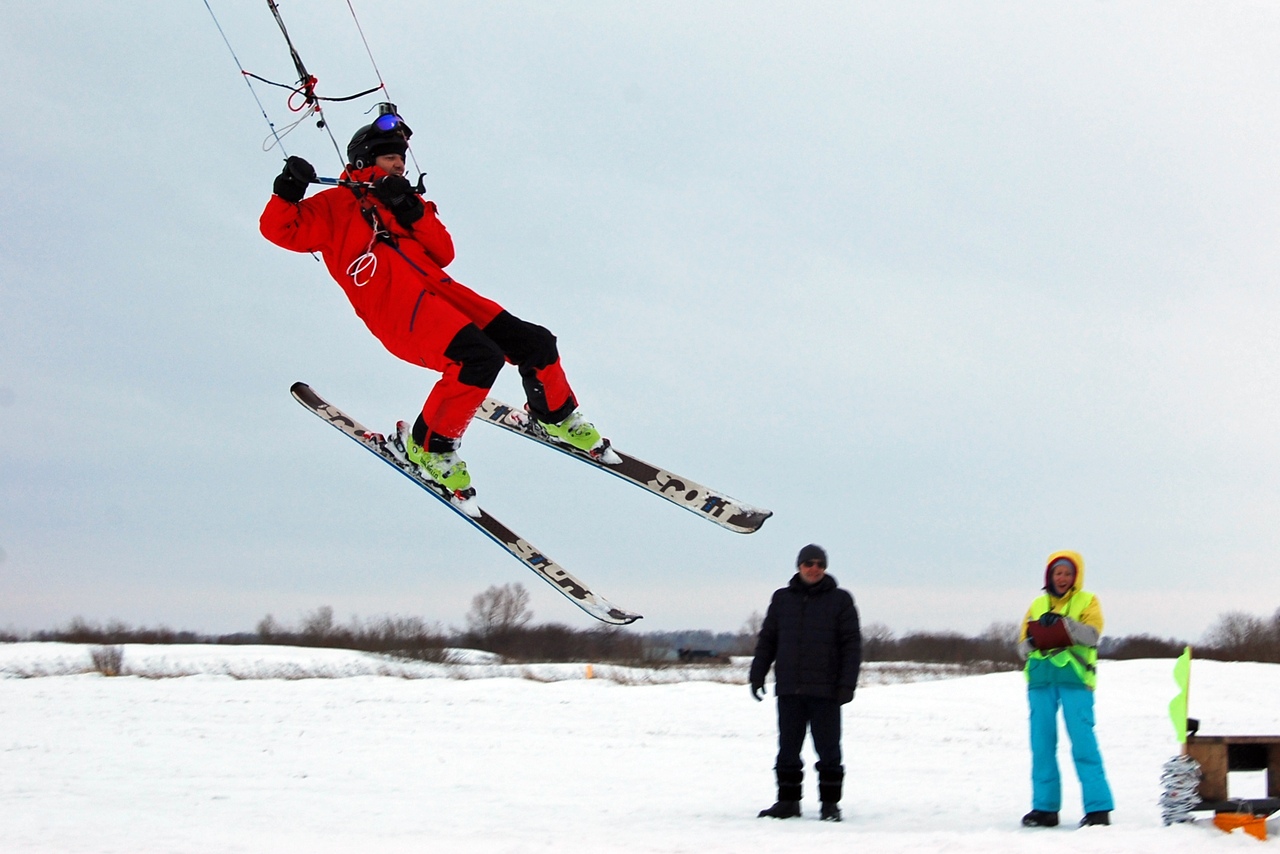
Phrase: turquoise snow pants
x=1077 y=712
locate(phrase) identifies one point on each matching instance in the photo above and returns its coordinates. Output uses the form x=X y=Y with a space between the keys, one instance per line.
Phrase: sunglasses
x=810 y=563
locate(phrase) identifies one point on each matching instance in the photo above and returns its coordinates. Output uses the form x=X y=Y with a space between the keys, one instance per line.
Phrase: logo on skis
x=548 y=568
x=704 y=501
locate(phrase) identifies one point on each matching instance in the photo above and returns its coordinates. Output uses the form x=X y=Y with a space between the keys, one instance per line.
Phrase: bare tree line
x=500 y=621
x=998 y=643
x=1238 y=636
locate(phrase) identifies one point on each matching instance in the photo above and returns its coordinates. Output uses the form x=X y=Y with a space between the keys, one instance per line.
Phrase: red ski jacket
x=384 y=288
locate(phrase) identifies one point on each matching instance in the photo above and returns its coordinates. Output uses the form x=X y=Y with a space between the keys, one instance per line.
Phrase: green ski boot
x=578 y=432
x=446 y=468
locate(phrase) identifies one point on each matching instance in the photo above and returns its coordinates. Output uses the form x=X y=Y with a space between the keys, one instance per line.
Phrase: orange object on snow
x=1254 y=825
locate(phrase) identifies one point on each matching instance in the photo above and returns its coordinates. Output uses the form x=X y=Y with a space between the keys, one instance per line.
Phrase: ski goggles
x=388 y=122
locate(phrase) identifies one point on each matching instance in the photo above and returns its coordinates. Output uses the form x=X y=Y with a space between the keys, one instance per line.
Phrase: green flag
x=1178 y=705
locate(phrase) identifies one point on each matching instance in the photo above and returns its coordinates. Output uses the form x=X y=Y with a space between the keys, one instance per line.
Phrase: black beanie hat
x=812 y=552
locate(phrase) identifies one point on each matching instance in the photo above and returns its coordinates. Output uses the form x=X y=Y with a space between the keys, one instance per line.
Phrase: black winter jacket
x=812 y=636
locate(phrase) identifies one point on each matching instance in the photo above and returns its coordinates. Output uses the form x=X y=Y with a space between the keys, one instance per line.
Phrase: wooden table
x=1218 y=754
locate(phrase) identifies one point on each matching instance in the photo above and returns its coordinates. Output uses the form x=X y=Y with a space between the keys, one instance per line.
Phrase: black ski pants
x=821 y=717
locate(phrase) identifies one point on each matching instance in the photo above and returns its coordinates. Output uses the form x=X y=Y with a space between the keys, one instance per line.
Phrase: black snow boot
x=1040 y=818
x=830 y=788
x=789 y=790
x=1093 y=819
x=782 y=809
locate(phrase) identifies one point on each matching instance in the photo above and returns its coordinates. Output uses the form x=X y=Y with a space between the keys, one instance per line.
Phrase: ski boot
x=580 y=433
x=830 y=811
x=445 y=468
x=1097 y=818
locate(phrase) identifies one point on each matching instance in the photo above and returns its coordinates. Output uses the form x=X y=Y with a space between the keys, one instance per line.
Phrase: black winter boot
x=830 y=788
x=1040 y=818
x=782 y=809
x=789 y=790
x=1095 y=819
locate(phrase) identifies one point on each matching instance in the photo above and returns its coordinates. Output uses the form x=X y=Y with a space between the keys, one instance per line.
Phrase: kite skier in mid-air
x=387 y=249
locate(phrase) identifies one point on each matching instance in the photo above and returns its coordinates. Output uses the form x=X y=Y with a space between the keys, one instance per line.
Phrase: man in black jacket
x=812 y=638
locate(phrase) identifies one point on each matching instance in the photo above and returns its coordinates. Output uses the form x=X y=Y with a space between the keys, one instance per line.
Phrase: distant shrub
x=107 y=660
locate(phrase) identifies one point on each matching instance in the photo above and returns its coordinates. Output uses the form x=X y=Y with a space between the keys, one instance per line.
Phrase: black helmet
x=388 y=134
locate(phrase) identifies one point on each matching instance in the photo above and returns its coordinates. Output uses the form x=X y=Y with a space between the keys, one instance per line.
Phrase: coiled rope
x=1179 y=780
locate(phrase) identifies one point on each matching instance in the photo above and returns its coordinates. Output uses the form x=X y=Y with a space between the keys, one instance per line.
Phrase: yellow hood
x=1075 y=558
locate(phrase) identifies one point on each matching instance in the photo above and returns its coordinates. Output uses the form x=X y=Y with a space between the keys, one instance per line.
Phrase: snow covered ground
x=252 y=754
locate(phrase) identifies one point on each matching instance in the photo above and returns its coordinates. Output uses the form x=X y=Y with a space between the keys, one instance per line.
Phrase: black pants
x=821 y=717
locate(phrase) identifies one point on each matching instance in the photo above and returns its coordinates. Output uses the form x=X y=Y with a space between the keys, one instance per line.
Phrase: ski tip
x=749 y=520
x=607 y=612
x=305 y=395
x=619 y=617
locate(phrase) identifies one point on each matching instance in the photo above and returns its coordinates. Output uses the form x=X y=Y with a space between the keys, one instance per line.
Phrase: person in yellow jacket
x=1059 y=641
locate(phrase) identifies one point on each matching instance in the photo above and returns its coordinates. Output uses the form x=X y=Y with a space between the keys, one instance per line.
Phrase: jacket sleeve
x=766 y=646
x=433 y=236
x=850 y=630
x=1088 y=629
x=1081 y=634
x=1026 y=645
x=1022 y=630
x=303 y=227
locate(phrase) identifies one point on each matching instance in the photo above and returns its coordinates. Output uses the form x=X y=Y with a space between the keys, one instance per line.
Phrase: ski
x=711 y=505
x=544 y=567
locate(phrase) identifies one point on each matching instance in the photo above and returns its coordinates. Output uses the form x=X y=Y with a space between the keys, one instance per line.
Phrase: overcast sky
x=947 y=286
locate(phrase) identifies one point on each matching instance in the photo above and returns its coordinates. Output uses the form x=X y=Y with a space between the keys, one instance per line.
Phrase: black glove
x=757 y=688
x=844 y=694
x=397 y=194
x=291 y=184
x=1048 y=618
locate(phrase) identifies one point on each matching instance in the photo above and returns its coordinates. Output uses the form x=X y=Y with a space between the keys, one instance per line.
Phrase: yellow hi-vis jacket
x=1076 y=664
